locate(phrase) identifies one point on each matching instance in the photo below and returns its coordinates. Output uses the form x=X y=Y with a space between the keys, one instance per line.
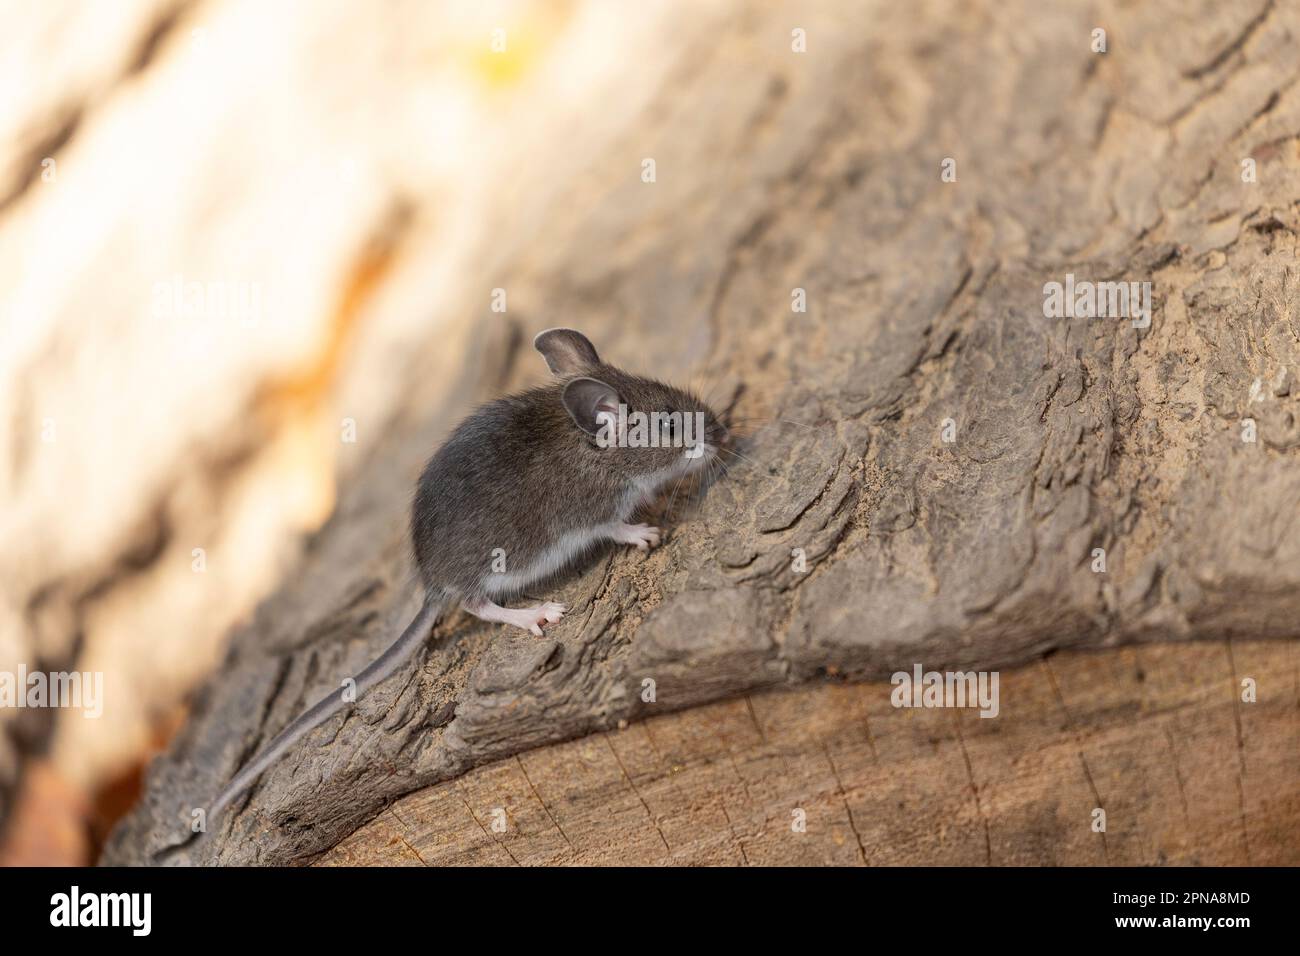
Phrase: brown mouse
x=523 y=488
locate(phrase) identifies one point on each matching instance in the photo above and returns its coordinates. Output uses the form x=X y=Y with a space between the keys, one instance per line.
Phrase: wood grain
x=1155 y=735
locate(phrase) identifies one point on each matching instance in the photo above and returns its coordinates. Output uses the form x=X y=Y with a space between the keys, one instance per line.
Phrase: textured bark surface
x=821 y=172
x=1155 y=736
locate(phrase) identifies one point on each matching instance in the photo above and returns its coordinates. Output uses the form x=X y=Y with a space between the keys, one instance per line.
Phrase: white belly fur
x=573 y=543
x=554 y=559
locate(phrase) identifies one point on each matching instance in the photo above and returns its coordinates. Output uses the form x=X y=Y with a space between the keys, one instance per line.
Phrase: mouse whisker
x=749 y=420
x=719 y=469
x=673 y=499
x=743 y=457
x=724 y=470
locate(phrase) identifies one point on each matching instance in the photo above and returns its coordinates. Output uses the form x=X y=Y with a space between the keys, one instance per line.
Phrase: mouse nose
x=724 y=435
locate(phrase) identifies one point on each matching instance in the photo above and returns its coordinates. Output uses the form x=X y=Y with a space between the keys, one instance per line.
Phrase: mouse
x=523 y=489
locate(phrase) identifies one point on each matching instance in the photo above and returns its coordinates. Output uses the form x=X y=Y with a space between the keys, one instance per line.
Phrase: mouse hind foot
x=531 y=619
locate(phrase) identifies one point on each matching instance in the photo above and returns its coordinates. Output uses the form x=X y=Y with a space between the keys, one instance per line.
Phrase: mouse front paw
x=642 y=536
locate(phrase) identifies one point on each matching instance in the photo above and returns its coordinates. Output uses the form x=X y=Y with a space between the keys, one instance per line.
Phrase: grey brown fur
x=518 y=475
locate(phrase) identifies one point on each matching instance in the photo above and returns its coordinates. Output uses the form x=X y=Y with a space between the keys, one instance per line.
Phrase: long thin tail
x=382 y=667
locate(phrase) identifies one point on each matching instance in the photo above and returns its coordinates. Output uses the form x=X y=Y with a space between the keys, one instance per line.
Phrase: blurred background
x=236 y=238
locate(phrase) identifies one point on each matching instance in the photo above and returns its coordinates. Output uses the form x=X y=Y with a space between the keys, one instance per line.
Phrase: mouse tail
x=376 y=672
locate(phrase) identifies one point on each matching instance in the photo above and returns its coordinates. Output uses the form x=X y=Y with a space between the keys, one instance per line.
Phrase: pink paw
x=537 y=617
x=643 y=536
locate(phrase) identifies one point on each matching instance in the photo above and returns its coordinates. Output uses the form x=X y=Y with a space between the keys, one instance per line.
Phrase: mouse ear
x=566 y=351
x=591 y=403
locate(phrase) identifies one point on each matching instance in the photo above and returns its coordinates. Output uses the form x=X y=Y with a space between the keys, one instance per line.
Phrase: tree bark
x=1154 y=736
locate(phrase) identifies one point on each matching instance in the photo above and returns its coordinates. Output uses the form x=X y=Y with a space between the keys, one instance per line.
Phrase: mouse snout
x=715 y=432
